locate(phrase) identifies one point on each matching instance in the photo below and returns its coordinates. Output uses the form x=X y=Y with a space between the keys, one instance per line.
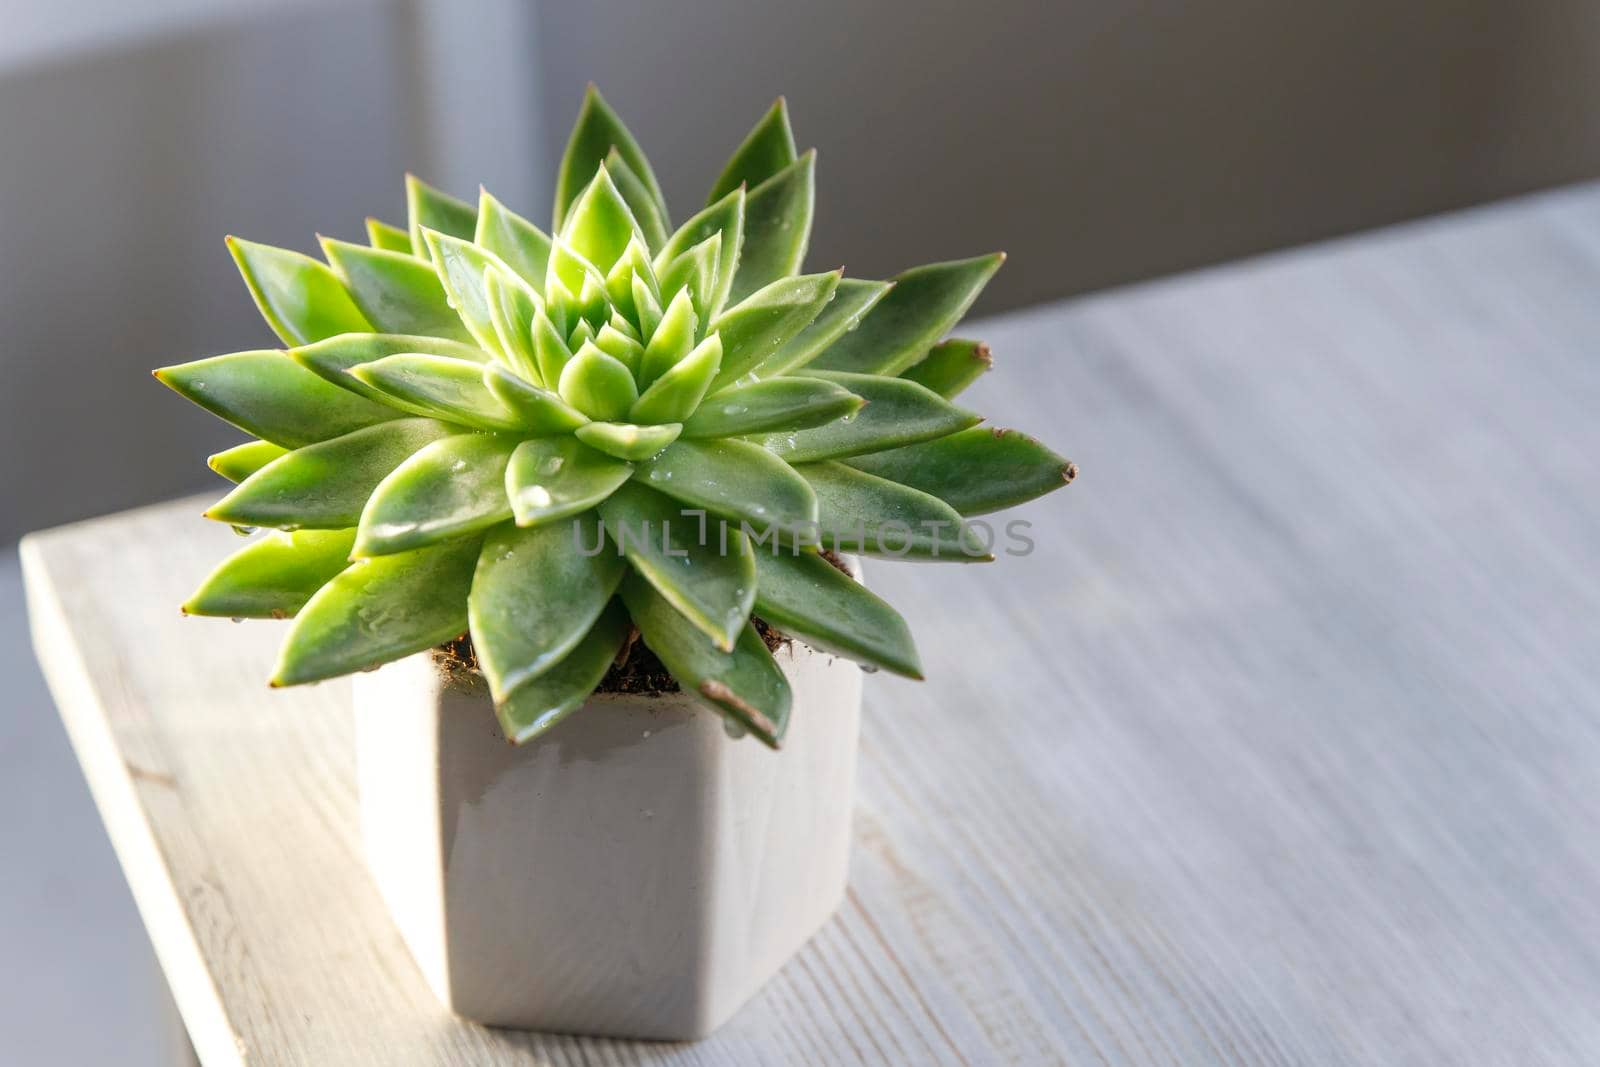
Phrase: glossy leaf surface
x=325 y=486
x=774 y=404
x=438 y=387
x=301 y=298
x=531 y=709
x=676 y=394
x=537 y=411
x=950 y=367
x=723 y=220
x=378 y=610
x=745 y=684
x=976 y=471
x=597 y=131
x=331 y=359
x=448 y=489
x=897 y=412
x=600 y=225
x=267 y=394
x=462 y=267
x=763 y=323
x=598 y=385
x=550 y=478
x=428 y=208
x=535 y=596
x=709 y=584
x=653 y=222
x=777 y=227
x=241 y=461
x=512 y=306
x=805 y=596
x=851 y=301
x=863 y=513
x=765 y=150
x=672 y=340
x=389 y=238
x=396 y=292
x=518 y=243
x=626 y=440
x=273 y=576
x=733 y=478
x=924 y=305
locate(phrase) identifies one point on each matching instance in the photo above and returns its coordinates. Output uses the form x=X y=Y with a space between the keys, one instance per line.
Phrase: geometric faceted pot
x=633 y=872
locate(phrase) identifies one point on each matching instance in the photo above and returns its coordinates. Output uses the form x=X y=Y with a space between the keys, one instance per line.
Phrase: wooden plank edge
x=121 y=810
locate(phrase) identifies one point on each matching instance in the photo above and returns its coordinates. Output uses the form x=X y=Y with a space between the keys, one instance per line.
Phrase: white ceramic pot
x=636 y=872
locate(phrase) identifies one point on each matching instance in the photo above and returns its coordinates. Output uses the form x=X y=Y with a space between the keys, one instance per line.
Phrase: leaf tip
x=1069 y=471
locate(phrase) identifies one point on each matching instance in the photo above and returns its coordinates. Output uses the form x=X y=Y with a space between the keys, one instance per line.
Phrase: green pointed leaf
x=950 y=367
x=429 y=209
x=672 y=340
x=574 y=273
x=620 y=347
x=976 y=471
x=775 y=404
x=597 y=131
x=462 y=268
x=598 y=385
x=863 y=513
x=538 y=411
x=273 y=576
x=733 y=478
x=550 y=349
x=647 y=308
x=618 y=323
x=518 y=243
x=332 y=359
x=325 y=486
x=533 y=708
x=898 y=412
x=389 y=238
x=766 y=150
x=724 y=218
x=627 y=441
x=711 y=586
x=551 y=478
x=851 y=302
x=653 y=222
x=448 y=489
x=267 y=394
x=675 y=395
x=397 y=292
x=767 y=320
x=438 y=387
x=694 y=272
x=512 y=307
x=745 y=684
x=924 y=305
x=600 y=226
x=241 y=461
x=777 y=227
x=807 y=597
x=536 y=595
x=301 y=299
x=634 y=264
x=378 y=610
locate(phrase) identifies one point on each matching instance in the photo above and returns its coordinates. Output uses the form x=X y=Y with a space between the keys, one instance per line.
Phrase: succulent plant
x=468 y=409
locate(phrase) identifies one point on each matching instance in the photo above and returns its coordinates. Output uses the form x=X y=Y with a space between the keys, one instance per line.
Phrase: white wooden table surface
x=1282 y=747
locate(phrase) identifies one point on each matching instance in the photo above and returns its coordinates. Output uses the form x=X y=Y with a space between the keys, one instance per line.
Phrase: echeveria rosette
x=468 y=407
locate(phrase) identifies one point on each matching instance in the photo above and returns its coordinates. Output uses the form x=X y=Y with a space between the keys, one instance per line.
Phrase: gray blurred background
x=1098 y=142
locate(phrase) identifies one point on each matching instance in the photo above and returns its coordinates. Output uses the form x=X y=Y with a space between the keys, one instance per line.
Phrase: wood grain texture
x=1282 y=746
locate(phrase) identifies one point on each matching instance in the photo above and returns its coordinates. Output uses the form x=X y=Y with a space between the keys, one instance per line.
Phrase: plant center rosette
x=558 y=442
